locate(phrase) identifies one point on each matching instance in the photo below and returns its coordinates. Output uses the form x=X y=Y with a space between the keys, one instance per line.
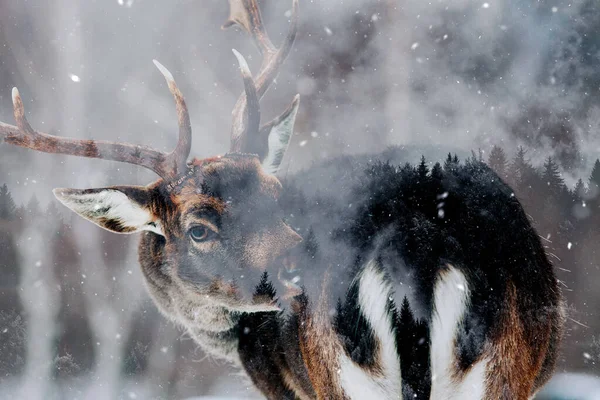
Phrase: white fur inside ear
x=110 y=209
x=279 y=139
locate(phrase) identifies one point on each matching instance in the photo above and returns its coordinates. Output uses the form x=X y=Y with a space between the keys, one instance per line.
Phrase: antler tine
x=252 y=104
x=177 y=159
x=246 y=14
x=167 y=166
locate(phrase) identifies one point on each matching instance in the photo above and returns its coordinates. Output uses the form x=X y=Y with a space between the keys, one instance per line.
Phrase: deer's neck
x=223 y=344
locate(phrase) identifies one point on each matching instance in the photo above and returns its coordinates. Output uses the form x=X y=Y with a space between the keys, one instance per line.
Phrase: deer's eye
x=200 y=233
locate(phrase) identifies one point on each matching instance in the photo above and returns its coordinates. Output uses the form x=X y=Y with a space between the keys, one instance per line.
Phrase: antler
x=246 y=14
x=166 y=165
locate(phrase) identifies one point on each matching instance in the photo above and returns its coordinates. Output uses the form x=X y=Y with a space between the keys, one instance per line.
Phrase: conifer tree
x=422 y=169
x=516 y=167
x=53 y=215
x=498 y=161
x=20 y=212
x=451 y=162
x=33 y=207
x=407 y=318
x=521 y=174
x=7 y=204
x=594 y=182
x=552 y=177
x=579 y=190
x=436 y=172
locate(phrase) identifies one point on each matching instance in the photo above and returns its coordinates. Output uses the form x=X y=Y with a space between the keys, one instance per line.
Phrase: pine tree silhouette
x=518 y=167
x=552 y=177
x=498 y=161
x=33 y=208
x=423 y=170
x=406 y=317
x=414 y=352
x=265 y=287
x=437 y=172
x=7 y=205
x=594 y=181
x=579 y=190
x=451 y=162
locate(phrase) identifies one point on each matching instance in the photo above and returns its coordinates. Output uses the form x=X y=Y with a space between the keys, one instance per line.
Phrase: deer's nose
x=270 y=244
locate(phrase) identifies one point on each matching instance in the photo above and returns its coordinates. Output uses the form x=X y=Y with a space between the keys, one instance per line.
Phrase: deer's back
x=426 y=283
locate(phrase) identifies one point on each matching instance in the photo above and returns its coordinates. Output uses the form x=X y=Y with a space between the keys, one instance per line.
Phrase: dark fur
x=483 y=231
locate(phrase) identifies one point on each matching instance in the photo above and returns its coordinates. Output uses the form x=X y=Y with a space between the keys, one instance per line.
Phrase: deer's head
x=211 y=221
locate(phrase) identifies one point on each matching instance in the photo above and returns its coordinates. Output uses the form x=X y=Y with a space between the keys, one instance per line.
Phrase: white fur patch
x=109 y=204
x=373 y=296
x=451 y=302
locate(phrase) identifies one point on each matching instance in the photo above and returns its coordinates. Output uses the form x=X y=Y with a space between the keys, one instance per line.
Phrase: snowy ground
x=81 y=389
x=571 y=387
x=566 y=386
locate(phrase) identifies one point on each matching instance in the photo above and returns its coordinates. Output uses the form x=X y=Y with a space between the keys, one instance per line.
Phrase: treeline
x=33 y=229
x=568 y=220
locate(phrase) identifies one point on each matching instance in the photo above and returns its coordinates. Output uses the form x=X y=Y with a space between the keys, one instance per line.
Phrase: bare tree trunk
x=112 y=299
x=40 y=301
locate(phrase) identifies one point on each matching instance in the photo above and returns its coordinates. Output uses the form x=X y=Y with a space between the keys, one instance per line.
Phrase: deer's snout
x=268 y=244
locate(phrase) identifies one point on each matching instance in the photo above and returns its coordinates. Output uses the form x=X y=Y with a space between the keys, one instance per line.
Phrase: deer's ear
x=279 y=132
x=121 y=209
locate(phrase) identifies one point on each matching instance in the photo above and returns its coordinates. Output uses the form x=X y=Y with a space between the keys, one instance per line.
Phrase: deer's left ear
x=279 y=132
x=120 y=209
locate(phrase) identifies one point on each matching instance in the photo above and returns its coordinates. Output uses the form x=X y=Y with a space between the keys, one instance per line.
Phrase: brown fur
x=513 y=364
x=320 y=349
x=291 y=381
x=319 y=345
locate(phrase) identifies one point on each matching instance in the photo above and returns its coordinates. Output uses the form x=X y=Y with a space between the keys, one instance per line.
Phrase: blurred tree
x=518 y=167
x=12 y=345
x=436 y=172
x=579 y=190
x=20 y=212
x=498 y=161
x=524 y=179
x=451 y=162
x=594 y=198
x=33 y=208
x=594 y=181
x=7 y=204
x=53 y=214
x=75 y=350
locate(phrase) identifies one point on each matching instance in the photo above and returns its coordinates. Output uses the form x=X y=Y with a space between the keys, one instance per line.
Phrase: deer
x=351 y=279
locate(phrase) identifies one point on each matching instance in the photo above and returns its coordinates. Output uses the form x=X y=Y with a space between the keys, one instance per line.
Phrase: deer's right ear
x=120 y=209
